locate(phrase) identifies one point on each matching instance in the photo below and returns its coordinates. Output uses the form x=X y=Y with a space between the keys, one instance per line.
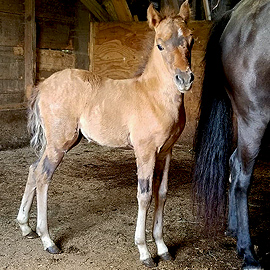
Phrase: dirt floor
x=93 y=208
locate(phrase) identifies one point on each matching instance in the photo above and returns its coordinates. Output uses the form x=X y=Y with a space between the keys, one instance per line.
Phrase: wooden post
x=81 y=36
x=91 y=45
x=207 y=10
x=29 y=47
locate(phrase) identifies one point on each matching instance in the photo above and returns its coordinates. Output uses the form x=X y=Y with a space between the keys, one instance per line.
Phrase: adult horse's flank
x=145 y=113
x=237 y=60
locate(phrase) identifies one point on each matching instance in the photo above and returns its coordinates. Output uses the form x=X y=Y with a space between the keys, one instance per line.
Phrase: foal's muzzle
x=183 y=80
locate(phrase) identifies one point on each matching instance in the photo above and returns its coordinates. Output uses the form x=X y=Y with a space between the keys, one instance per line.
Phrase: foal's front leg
x=160 y=193
x=27 y=200
x=145 y=170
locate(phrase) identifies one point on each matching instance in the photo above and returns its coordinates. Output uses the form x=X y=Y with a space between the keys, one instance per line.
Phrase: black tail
x=214 y=134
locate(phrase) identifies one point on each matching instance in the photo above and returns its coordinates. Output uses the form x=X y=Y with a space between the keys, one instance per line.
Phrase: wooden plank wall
x=12 y=106
x=118 y=49
x=62 y=37
x=55 y=47
x=11 y=52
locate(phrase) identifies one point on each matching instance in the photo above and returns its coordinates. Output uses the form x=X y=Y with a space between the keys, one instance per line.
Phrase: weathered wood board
x=13 y=6
x=53 y=35
x=11 y=58
x=11 y=29
x=50 y=61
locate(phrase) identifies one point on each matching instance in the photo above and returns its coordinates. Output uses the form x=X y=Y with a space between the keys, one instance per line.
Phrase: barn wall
x=118 y=49
x=62 y=31
x=12 y=105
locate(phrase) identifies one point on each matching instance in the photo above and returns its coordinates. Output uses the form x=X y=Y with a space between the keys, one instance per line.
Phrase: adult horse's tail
x=213 y=135
x=35 y=124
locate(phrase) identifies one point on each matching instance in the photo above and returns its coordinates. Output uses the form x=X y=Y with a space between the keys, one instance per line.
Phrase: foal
x=145 y=113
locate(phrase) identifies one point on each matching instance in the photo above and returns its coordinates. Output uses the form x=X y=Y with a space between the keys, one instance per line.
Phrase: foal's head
x=174 y=41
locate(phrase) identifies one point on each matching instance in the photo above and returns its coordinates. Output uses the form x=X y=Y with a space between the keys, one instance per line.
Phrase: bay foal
x=145 y=113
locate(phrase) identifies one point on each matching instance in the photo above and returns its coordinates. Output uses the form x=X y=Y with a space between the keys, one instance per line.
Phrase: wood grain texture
x=119 y=48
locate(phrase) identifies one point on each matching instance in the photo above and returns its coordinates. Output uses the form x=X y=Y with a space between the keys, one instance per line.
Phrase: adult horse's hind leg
x=160 y=193
x=232 y=218
x=250 y=134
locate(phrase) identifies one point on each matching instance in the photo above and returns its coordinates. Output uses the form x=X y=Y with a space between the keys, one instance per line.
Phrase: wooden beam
x=122 y=10
x=110 y=9
x=97 y=10
x=29 y=47
x=91 y=45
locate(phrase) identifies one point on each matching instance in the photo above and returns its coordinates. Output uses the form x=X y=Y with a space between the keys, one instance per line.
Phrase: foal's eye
x=160 y=47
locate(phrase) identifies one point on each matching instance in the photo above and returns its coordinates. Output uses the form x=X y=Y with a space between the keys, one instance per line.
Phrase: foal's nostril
x=179 y=79
x=191 y=79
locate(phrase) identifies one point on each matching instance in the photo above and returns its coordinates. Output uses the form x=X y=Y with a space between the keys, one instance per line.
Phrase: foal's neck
x=156 y=73
x=156 y=77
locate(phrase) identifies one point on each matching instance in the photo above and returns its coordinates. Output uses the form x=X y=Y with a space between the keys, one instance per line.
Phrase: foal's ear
x=153 y=17
x=185 y=11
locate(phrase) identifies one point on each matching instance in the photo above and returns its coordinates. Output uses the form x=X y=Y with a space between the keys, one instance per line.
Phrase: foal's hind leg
x=39 y=176
x=44 y=171
x=51 y=158
x=160 y=193
x=249 y=140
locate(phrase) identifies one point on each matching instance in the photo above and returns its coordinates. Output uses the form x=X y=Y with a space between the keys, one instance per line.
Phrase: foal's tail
x=35 y=125
x=213 y=135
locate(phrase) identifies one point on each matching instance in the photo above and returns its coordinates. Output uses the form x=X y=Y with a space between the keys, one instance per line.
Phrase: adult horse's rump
x=237 y=79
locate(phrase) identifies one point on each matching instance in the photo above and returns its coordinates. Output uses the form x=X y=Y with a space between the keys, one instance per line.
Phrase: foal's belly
x=105 y=130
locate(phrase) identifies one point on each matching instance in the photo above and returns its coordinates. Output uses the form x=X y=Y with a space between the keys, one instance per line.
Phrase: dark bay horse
x=236 y=83
x=145 y=113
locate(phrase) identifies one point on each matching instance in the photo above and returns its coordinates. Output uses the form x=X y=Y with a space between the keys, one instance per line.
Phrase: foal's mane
x=167 y=12
x=148 y=42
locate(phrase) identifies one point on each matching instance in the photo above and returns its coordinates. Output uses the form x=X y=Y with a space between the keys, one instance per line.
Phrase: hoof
x=149 y=263
x=252 y=267
x=53 y=250
x=32 y=235
x=166 y=257
x=255 y=265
